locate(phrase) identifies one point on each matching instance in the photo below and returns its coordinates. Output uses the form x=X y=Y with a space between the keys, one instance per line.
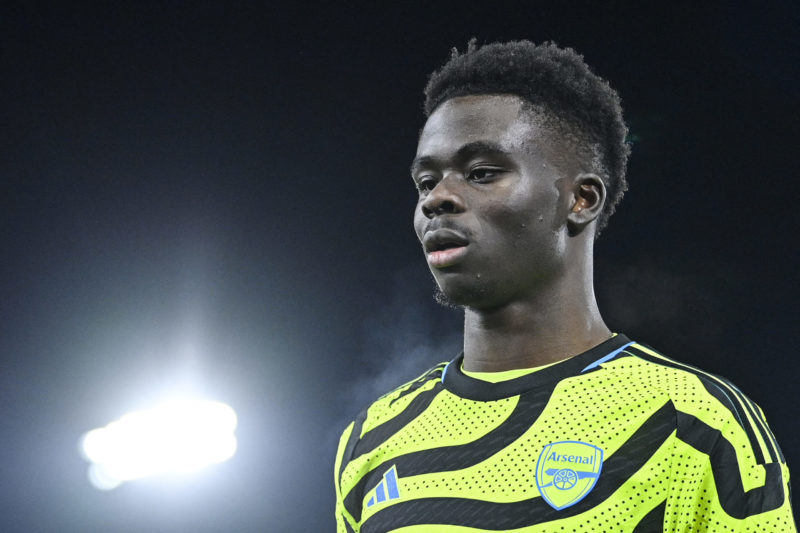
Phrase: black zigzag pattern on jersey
x=448 y=458
x=625 y=462
x=738 y=408
x=434 y=372
x=725 y=468
x=347 y=527
x=764 y=428
x=379 y=434
x=653 y=522
x=755 y=415
x=744 y=405
x=352 y=441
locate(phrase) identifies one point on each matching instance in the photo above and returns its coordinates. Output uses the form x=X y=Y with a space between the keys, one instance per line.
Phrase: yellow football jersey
x=617 y=439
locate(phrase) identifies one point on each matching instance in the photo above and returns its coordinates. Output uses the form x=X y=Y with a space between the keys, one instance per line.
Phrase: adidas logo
x=387 y=489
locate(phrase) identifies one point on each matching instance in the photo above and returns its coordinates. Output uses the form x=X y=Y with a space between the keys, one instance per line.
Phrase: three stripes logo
x=387 y=489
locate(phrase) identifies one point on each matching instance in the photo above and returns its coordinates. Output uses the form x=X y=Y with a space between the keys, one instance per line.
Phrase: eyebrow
x=465 y=152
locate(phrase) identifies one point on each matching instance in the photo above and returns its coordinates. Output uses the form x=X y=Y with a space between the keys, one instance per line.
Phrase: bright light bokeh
x=178 y=436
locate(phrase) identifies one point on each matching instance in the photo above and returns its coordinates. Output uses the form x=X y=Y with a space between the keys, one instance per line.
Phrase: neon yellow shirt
x=618 y=439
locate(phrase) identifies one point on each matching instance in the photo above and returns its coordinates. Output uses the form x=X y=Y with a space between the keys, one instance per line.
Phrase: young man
x=547 y=421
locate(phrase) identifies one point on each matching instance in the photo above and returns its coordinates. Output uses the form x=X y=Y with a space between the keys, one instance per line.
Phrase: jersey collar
x=455 y=381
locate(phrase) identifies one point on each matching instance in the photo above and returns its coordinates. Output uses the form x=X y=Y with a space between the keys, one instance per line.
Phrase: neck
x=559 y=322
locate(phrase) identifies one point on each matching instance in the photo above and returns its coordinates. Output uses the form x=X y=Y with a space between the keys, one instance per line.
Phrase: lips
x=444 y=247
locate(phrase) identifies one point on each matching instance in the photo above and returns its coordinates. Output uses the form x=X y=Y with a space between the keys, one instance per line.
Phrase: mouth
x=444 y=247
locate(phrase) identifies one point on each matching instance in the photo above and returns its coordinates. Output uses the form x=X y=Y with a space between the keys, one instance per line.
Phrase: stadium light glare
x=181 y=435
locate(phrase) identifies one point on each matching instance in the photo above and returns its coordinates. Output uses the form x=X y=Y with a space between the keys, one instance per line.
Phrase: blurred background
x=213 y=199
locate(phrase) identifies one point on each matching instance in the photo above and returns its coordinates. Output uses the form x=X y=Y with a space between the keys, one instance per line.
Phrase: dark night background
x=215 y=198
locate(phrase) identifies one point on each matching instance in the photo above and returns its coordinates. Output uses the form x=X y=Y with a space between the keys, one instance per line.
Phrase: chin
x=458 y=295
x=442 y=299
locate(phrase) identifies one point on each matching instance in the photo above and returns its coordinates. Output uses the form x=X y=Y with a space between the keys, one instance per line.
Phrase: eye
x=425 y=183
x=481 y=174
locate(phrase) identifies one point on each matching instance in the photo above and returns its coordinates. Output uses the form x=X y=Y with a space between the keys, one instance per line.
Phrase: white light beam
x=178 y=436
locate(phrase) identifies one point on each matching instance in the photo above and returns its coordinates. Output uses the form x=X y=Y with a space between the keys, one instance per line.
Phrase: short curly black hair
x=559 y=82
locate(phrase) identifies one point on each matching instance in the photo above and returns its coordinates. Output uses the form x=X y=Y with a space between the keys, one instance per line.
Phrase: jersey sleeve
x=344 y=522
x=728 y=477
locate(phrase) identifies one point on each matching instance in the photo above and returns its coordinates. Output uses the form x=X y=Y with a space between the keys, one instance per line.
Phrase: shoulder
x=374 y=423
x=688 y=387
x=720 y=434
x=708 y=406
x=397 y=401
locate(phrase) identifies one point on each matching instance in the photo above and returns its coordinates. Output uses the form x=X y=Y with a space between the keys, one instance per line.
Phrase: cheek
x=526 y=217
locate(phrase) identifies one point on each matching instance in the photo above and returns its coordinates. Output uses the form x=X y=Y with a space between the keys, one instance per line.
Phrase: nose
x=443 y=199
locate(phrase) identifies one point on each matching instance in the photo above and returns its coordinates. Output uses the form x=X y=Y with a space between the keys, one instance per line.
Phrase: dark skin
x=507 y=220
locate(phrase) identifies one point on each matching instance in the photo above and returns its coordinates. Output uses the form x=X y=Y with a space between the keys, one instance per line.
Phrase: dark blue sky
x=216 y=198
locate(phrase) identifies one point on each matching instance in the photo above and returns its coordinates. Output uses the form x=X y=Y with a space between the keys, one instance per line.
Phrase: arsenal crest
x=566 y=471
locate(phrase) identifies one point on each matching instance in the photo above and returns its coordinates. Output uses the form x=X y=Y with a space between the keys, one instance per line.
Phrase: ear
x=588 y=199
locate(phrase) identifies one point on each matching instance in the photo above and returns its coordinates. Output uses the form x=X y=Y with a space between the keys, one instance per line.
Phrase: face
x=492 y=208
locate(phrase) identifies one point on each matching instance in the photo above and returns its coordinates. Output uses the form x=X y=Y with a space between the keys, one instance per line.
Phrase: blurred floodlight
x=101 y=479
x=181 y=435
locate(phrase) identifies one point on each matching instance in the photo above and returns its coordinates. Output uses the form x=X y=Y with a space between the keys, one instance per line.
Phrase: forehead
x=496 y=119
